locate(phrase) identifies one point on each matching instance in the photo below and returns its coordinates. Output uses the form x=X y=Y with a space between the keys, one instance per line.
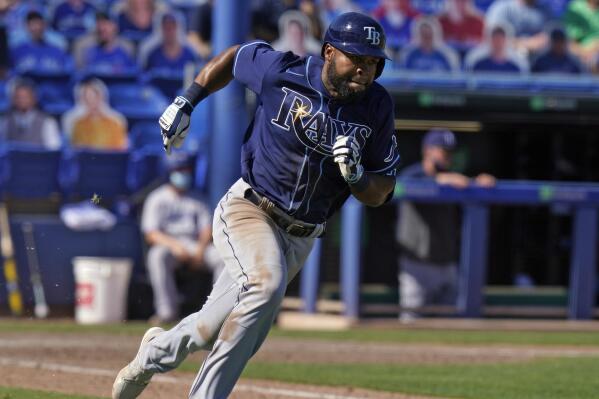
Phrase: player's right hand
x=174 y=123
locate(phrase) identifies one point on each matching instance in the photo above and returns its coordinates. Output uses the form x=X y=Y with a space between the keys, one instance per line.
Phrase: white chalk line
x=65 y=368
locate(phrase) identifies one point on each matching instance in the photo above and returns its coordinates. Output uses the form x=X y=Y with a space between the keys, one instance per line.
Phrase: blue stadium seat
x=145 y=167
x=138 y=102
x=28 y=172
x=429 y=6
x=4 y=100
x=168 y=84
x=109 y=79
x=563 y=84
x=497 y=81
x=416 y=80
x=54 y=91
x=84 y=173
x=146 y=134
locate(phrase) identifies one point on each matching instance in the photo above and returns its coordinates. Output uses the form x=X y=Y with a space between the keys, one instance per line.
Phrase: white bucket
x=101 y=286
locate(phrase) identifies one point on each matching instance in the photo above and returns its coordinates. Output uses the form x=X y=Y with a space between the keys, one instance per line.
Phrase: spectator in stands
x=526 y=19
x=200 y=32
x=582 y=25
x=167 y=50
x=74 y=18
x=25 y=123
x=462 y=25
x=428 y=52
x=294 y=35
x=36 y=54
x=15 y=18
x=265 y=16
x=135 y=18
x=311 y=10
x=92 y=123
x=177 y=226
x=557 y=58
x=4 y=51
x=104 y=51
x=330 y=9
x=396 y=16
x=496 y=55
x=428 y=233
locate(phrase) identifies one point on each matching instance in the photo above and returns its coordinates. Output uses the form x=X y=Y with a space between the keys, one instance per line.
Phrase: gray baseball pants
x=260 y=260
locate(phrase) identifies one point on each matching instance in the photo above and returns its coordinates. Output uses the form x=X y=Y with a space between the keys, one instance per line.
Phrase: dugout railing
x=582 y=198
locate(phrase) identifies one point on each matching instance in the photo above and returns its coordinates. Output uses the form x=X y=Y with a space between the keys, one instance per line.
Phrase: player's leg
x=412 y=288
x=214 y=261
x=449 y=292
x=256 y=251
x=164 y=351
x=161 y=266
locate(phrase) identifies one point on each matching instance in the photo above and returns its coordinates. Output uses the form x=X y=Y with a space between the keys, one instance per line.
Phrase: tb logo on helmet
x=373 y=35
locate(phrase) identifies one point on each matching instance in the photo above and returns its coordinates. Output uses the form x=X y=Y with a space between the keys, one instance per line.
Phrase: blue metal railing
x=581 y=197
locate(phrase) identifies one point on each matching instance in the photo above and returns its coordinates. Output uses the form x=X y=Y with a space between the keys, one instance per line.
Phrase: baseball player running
x=323 y=130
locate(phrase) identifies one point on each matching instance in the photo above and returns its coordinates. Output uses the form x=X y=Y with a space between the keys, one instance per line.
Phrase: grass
x=586 y=338
x=582 y=338
x=541 y=379
x=18 y=393
x=559 y=378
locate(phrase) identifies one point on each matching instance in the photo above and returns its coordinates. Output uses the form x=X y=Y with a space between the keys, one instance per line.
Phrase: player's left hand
x=174 y=123
x=346 y=153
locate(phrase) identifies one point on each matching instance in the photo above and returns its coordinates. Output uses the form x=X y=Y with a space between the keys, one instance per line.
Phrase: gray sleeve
x=204 y=216
x=150 y=217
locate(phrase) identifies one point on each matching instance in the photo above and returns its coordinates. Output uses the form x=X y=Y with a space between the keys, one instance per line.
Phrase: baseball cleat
x=132 y=379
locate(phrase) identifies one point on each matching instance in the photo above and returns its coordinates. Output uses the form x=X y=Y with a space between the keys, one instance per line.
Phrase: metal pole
x=581 y=293
x=473 y=260
x=310 y=276
x=351 y=228
x=229 y=114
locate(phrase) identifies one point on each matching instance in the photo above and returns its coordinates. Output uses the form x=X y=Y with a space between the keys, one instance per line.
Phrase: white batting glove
x=346 y=153
x=174 y=123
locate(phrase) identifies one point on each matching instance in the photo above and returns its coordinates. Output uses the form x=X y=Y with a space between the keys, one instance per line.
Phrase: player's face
x=349 y=75
x=23 y=99
x=439 y=157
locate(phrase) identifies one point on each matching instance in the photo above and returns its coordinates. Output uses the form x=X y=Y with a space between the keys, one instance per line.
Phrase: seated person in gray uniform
x=177 y=225
x=428 y=233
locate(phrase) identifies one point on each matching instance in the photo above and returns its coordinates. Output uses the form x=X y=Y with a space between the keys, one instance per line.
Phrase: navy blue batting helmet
x=357 y=34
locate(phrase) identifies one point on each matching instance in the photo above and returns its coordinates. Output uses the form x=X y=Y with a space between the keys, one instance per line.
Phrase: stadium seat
x=563 y=84
x=416 y=80
x=54 y=91
x=170 y=86
x=4 y=100
x=28 y=172
x=145 y=167
x=109 y=78
x=84 y=173
x=497 y=81
x=146 y=134
x=138 y=102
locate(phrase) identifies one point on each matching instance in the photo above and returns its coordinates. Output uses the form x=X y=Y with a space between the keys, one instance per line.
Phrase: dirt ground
x=87 y=363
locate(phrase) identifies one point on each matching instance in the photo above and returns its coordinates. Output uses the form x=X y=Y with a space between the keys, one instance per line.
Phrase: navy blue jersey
x=287 y=151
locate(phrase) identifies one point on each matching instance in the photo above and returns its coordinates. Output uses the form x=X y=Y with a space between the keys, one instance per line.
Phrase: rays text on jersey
x=316 y=130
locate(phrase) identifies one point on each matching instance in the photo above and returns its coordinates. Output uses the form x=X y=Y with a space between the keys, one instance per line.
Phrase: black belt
x=289 y=224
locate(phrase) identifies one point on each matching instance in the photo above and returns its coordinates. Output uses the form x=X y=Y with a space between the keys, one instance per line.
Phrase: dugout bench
x=582 y=198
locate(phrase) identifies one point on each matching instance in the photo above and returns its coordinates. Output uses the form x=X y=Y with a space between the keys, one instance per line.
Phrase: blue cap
x=443 y=138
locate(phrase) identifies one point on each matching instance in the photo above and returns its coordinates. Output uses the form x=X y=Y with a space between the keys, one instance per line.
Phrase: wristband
x=195 y=93
x=361 y=184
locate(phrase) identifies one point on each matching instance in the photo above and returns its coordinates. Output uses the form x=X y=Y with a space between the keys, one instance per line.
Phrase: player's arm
x=216 y=74
x=156 y=237
x=373 y=189
x=370 y=188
